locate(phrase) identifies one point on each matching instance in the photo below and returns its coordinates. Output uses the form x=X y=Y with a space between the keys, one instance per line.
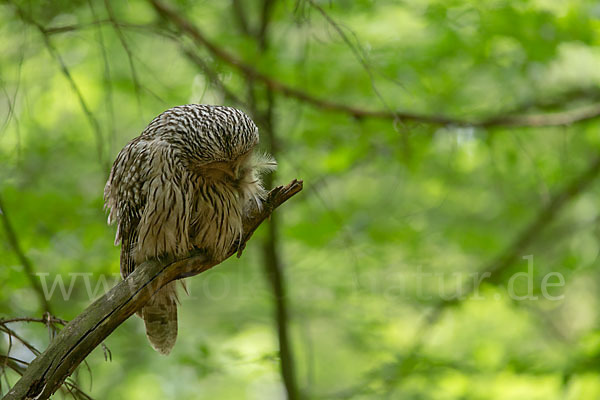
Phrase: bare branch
x=13 y=363
x=76 y=340
x=12 y=334
x=48 y=319
x=561 y=118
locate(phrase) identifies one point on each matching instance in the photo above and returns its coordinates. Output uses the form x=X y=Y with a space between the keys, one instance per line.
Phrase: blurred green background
x=399 y=218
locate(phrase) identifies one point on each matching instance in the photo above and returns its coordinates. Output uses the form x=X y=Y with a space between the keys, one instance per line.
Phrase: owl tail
x=160 y=318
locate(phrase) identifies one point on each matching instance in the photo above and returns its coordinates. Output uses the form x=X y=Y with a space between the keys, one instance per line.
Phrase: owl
x=186 y=182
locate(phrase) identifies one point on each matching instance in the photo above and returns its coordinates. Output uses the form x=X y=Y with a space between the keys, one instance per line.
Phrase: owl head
x=214 y=141
x=204 y=134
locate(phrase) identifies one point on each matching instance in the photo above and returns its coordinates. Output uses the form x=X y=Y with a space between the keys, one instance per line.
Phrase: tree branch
x=545 y=216
x=78 y=338
x=537 y=120
x=48 y=319
x=559 y=118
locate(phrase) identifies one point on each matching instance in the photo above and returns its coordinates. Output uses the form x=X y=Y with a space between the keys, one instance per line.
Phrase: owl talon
x=241 y=248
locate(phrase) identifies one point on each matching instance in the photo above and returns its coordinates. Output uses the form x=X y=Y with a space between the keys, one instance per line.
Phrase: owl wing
x=148 y=200
x=125 y=198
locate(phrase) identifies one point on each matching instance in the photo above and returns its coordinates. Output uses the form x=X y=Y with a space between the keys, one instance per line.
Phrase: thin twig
x=46 y=320
x=24 y=342
x=13 y=363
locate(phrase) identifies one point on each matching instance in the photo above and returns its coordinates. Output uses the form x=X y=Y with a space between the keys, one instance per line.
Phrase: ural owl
x=186 y=182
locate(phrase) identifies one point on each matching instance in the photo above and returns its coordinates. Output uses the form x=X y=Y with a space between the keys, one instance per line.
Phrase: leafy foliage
x=397 y=217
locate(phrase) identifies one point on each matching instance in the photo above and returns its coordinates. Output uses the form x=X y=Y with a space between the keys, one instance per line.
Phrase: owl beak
x=230 y=172
x=235 y=171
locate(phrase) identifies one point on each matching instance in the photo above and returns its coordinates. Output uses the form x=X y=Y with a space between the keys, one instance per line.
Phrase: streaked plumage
x=185 y=182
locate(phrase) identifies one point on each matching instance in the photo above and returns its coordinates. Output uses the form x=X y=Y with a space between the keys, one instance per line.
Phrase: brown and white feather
x=184 y=183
